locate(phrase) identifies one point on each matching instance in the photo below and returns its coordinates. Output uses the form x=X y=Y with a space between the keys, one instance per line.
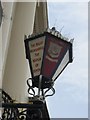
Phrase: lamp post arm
x=39 y=88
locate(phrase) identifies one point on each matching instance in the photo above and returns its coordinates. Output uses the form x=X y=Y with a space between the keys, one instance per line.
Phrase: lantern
x=48 y=54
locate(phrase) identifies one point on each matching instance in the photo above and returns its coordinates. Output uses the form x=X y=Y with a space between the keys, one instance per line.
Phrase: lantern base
x=45 y=82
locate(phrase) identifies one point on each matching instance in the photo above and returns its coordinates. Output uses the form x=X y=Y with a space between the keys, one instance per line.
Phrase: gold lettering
x=36 y=54
x=39 y=43
x=36 y=59
x=33 y=45
x=37 y=49
x=36 y=65
x=36 y=70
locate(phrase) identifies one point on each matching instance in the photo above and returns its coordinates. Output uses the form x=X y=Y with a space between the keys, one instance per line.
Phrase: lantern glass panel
x=62 y=65
x=55 y=50
x=36 y=49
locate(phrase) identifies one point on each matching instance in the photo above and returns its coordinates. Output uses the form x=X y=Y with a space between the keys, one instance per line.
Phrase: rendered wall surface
x=5 y=32
x=16 y=68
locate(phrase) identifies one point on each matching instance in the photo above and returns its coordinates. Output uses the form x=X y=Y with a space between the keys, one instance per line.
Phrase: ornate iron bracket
x=34 y=110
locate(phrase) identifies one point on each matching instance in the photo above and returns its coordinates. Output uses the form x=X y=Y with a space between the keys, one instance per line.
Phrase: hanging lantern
x=48 y=54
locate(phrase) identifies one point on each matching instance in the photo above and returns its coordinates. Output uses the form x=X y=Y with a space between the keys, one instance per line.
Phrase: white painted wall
x=5 y=31
x=16 y=72
x=1 y=57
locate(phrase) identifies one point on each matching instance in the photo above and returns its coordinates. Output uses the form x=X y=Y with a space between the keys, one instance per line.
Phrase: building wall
x=41 y=18
x=26 y=19
x=0 y=58
x=16 y=72
x=5 y=32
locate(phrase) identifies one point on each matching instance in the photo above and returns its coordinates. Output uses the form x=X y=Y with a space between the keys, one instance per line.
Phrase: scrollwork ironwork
x=17 y=111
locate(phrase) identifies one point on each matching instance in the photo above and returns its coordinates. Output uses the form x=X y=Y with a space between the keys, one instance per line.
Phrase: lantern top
x=49 y=31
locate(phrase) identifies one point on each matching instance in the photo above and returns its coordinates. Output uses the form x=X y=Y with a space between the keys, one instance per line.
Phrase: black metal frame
x=46 y=82
x=33 y=110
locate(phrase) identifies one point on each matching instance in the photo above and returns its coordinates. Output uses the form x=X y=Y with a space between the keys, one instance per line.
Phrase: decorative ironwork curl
x=30 y=87
x=8 y=113
x=44 y=93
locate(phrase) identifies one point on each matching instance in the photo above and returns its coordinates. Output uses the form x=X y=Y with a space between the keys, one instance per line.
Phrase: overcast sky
x=71 y=97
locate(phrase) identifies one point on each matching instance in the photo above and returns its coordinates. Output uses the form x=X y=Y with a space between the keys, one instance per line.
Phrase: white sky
x=71 y=97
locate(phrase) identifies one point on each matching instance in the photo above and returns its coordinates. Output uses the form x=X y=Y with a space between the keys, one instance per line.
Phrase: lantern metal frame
x=41 y=81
